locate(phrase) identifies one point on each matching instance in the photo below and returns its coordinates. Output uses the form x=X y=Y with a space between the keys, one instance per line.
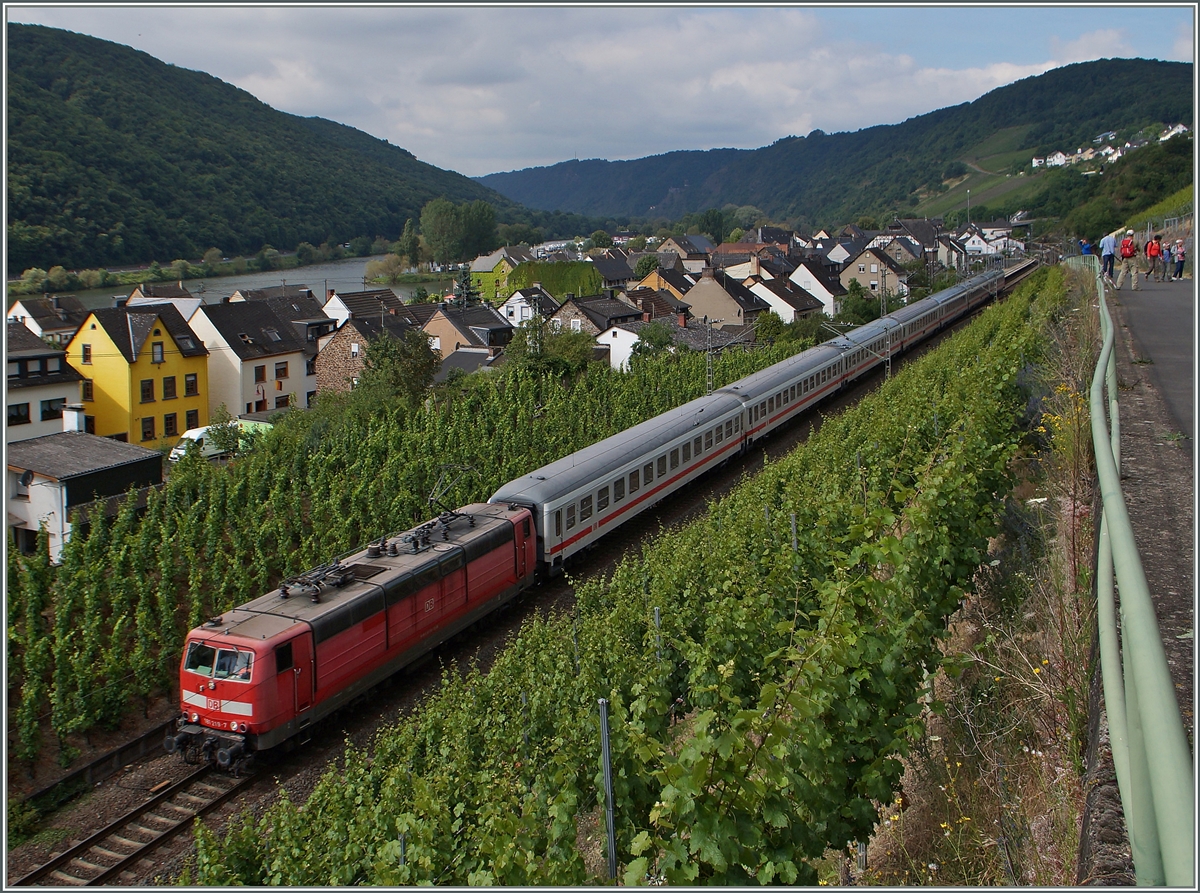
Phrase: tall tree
x=410 y=244
x=440 y=224
x=398 y=367
x=478 y=223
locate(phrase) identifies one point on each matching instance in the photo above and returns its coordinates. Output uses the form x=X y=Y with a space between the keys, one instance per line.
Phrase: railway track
x=106 y=855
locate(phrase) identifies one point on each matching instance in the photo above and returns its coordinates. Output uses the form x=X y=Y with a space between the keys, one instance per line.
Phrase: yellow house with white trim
x=145 y=374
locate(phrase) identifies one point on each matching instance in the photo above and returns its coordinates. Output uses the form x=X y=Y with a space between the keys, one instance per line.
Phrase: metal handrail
x=1150 y=749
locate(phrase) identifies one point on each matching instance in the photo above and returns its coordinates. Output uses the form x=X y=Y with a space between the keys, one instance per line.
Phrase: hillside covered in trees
x=823 y=177
x=115 y=157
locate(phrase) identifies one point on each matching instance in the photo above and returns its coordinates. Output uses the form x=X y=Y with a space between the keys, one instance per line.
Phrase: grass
x=993 y=794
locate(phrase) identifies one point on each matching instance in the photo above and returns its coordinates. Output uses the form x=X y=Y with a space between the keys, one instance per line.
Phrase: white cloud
x=1108 y=43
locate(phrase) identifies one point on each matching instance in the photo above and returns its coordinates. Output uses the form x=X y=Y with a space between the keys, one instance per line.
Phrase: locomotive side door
x=523 y=532
x=301 y=671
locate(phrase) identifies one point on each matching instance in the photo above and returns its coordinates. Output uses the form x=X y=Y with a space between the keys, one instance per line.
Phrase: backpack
x=1153 y=249
x=1127 y=249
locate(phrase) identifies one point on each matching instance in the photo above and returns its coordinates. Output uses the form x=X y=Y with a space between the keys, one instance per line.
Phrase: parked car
x=204 y=443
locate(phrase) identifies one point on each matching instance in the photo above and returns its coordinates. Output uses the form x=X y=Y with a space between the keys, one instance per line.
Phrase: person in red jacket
x=1128 y=253
x=1154 y=259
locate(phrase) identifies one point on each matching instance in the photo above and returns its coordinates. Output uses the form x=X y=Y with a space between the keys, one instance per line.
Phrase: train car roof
x=606 y=456
x=270 y=614
x=753 y=386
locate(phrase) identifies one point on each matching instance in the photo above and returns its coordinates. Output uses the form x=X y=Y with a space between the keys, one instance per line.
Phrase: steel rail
x=100 y=836
x=1150 y=748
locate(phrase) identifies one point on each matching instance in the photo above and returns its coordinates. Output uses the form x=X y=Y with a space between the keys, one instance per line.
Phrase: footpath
x=1155 y=346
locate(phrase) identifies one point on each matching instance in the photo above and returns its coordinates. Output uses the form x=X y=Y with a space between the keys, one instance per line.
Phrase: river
x=346 y=275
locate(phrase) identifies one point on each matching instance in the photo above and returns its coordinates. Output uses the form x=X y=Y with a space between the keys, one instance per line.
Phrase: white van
x=204 y=444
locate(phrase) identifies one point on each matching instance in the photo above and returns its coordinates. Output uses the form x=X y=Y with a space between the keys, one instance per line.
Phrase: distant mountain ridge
x=878 y=169
x=116 y=157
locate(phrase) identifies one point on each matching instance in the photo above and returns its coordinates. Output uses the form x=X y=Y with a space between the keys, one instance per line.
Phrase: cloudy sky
x=486 y=89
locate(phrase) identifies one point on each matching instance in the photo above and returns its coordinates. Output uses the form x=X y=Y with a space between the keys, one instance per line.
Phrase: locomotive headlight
x=244 y=727
x=195 y=717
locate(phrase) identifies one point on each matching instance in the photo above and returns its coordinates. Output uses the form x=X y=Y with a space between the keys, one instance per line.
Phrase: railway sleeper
x=125 y=841
x=109 y=853
x=68 y=878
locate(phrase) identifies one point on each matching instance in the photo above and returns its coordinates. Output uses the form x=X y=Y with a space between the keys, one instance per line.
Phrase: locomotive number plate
x=430 y=604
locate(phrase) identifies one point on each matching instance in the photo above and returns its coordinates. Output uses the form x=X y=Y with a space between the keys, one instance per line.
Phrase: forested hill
x=839 y=176
x=116 y=157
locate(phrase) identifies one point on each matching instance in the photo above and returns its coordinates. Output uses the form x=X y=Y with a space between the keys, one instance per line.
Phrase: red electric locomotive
x=264 y=672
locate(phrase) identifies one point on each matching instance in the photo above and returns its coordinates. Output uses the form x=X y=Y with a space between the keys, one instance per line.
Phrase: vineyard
x=97 y=636
x=766 y=667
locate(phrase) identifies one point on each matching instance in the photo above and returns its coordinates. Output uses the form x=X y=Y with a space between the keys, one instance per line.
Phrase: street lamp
x=968 y=207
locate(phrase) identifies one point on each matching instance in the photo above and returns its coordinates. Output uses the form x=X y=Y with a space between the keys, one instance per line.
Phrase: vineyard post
x=606 y=754
x=658 y=634
x=862 y=855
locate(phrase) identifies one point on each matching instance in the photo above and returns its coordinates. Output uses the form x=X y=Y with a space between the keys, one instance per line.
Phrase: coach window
x=762 y=409
x=647 y=473
x=662 y=465
x=779 y=398
x=585 y=508
x=570 y=516
x=729 y=428
x=793 y=392
x=687 y=452
x=558 y=523
x=697 y=448
x=618 y=489
x=708 y=440
x=602 y=499
x=634 y=485
x=719 y=437
x=737 y=424
x=771 y=404
x=674 y=458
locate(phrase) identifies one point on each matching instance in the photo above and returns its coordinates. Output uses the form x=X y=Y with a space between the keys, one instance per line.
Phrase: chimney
x=54 y=302
x=682 y=320
x=645 y=316
x=73 y=419
x=754 y=267
x=329 y=294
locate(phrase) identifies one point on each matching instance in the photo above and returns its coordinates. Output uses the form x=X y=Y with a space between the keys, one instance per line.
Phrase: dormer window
x=186 y=343
x=246 y=339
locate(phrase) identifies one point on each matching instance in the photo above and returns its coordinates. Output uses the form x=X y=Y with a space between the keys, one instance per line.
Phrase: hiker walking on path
x=1108 y=255
x=1128 y=252
x=1154 y=259
x=1180 y=255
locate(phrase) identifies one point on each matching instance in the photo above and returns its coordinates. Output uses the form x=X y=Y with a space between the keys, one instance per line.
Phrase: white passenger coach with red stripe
x=581 y=497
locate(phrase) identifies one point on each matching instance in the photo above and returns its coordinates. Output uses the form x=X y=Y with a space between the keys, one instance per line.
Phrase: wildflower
x=1045 y=662
x=1037 y=669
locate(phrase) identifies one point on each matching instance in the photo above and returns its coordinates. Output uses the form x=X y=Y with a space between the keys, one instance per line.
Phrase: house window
x=170 y=425
x=147 y=390
x=282 y=402
x=89 y=391
x=53 y=409
x=260 y=373
x=862 y=268
x=18 y=414
x=169 y=387
x=618 y=489
x=874 y=268
x=874 y=285
x=576 y=325
x=193 y=418
x=191 y=385
x=148 y=428
x=87 y=353
x=156 y=352
x=309 y=398
x=89 y=424
x=281 y=370
x=33 y=367
x=310 y=367
x=354 y=349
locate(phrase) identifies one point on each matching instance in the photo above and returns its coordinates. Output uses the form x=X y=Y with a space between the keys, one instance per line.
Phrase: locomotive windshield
x=230 y=663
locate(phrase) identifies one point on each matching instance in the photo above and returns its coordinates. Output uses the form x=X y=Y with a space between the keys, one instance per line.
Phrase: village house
x=372 y=302
x=51 y=317
x=257 y=361
x=40 y=384
x=786 y=299
x=621 y=339
x=875 y=270
x=693 y=251
x=526 y=303
x=339 y=364
x=145 y=373
x=724 y=301
x=489 y=272
x=811 y=276
x=451 y=327
x=675 y=281
x=59 y=481
x=593 y=313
